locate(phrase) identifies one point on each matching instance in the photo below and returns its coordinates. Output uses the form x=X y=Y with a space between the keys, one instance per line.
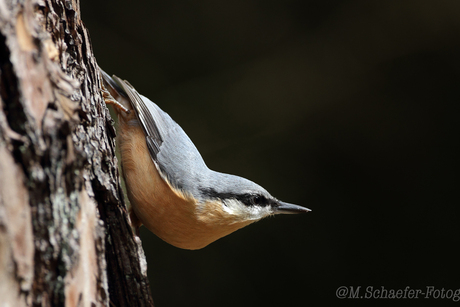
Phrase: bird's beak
x=286 y=208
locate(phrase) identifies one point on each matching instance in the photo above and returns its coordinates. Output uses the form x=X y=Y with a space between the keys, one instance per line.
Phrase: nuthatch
x=171 y=190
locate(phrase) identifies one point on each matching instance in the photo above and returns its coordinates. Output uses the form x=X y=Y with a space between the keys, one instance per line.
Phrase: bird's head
x=245 y=200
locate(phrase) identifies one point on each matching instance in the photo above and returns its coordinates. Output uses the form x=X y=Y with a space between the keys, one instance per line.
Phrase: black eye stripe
x=247 y=199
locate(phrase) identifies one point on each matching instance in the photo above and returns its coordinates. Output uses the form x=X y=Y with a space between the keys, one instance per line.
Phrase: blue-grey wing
x=169 y=146
x=146 y=118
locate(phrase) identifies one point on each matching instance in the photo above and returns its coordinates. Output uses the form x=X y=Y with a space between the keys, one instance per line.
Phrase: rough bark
x=64 y=235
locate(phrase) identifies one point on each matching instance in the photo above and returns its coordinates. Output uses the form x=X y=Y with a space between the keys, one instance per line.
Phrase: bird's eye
x=257 y=200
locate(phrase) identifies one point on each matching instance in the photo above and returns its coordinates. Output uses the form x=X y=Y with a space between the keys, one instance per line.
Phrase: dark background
x=349 y=108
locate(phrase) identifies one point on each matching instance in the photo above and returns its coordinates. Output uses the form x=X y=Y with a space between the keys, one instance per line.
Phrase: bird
x=171 y=190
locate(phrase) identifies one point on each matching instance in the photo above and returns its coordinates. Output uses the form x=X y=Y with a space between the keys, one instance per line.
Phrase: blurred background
x=349 y=108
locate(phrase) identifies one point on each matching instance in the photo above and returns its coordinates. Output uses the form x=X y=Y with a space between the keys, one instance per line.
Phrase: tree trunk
x=64 y=234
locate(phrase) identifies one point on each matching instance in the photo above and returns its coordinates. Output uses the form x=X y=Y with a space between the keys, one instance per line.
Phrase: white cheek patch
x=243 y=212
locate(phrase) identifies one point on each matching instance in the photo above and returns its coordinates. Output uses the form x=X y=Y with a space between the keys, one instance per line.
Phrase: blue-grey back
x=180 y=161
